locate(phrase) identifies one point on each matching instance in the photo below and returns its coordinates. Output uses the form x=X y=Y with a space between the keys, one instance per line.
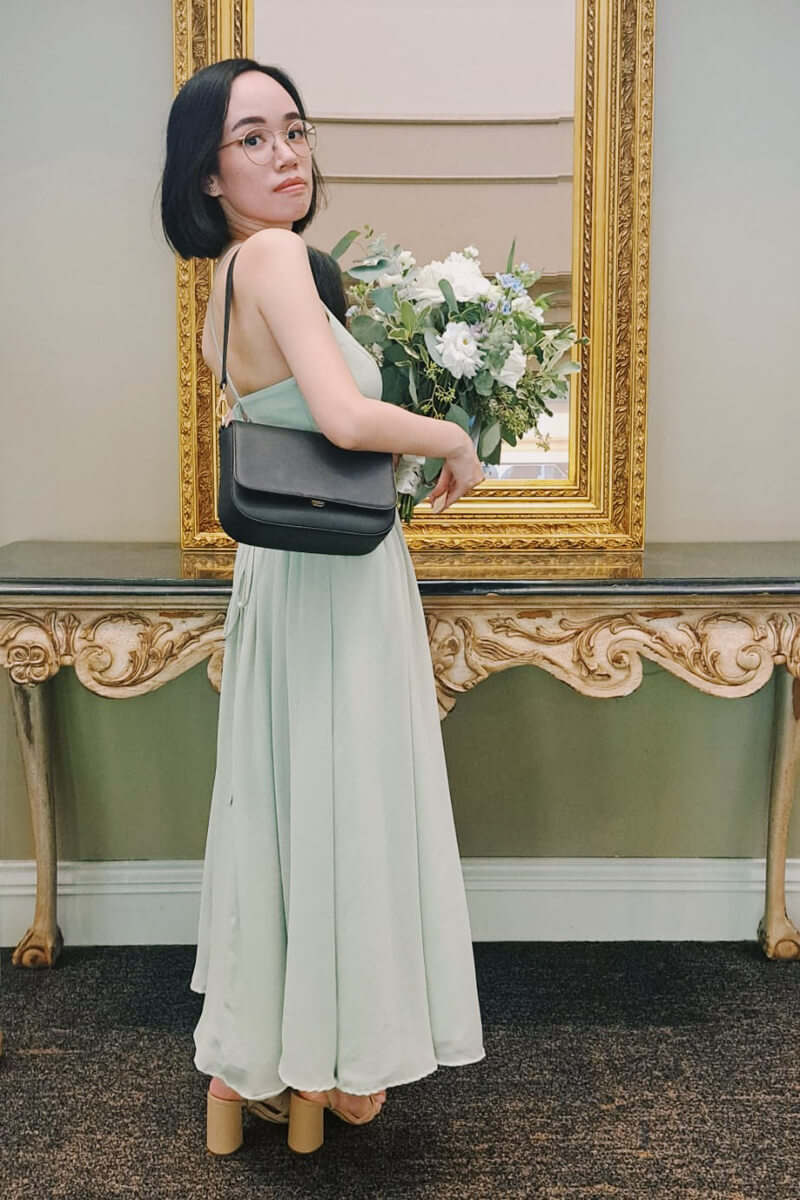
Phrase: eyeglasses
x=259 y=142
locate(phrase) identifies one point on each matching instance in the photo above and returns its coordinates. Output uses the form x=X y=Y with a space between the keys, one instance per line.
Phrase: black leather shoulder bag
x=294 y=489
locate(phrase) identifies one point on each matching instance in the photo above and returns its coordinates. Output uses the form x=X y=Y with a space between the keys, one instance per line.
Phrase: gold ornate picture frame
x=601 y=505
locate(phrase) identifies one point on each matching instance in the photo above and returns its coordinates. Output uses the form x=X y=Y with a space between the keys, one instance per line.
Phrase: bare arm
x=272 y=271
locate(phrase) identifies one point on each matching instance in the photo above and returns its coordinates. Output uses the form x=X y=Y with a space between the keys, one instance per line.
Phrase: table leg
x=41 y=945
x=778 y=936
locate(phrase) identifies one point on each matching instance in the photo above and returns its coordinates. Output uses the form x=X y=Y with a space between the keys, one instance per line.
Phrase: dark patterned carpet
x=660 y=1070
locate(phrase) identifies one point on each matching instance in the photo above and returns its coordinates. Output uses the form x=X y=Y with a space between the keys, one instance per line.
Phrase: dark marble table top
x=65 y=568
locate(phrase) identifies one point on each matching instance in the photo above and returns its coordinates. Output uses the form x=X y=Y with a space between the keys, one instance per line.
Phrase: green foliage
x=344 y=243
x=515 y=345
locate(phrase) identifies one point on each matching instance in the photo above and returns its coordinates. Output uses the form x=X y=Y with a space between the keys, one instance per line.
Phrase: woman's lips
x=292 y=187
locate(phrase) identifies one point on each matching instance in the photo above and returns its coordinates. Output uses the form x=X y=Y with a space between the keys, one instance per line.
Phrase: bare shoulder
x=277 y=247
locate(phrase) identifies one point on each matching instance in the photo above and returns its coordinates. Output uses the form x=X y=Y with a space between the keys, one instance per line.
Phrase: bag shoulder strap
x=228 y=298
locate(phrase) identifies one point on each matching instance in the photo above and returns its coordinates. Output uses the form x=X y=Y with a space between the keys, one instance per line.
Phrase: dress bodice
x=283 y=403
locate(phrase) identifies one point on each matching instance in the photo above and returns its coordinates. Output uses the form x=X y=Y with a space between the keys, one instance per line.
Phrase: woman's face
x=248 y=192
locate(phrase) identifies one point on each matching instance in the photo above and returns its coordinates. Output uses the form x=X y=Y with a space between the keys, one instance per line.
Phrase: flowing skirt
x=334 y=945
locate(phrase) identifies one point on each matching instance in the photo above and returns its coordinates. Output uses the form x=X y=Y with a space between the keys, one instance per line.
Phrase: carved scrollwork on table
x=723 y=652
x=115 y=653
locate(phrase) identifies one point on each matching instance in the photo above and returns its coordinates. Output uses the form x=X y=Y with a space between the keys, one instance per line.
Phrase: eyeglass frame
x=275 y=134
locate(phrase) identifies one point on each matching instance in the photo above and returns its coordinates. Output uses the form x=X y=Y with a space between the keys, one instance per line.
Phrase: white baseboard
x=510 y=899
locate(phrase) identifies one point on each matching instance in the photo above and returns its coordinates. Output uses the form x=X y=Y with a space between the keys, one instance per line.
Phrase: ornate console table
x=128 y=617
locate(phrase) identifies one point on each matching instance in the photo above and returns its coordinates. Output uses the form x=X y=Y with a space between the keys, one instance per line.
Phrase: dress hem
x=315 y=1087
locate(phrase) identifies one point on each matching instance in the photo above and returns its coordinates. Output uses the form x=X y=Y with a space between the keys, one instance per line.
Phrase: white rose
x=460 y=352
x=463 y=275
x=513 y=368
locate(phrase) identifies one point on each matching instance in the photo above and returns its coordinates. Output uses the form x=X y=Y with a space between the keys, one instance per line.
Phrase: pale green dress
x=334 y=944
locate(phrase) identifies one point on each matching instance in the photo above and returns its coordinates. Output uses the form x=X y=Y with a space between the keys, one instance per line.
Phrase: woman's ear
x=211 y=185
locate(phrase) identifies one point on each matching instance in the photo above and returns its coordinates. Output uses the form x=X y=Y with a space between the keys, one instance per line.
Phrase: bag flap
x=304 y=463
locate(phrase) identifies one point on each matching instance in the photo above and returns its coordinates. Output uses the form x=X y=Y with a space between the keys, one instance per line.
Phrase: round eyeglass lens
x=259 y=143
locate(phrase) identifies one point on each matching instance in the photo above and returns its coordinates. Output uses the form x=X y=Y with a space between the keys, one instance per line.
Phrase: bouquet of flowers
x=456 y=345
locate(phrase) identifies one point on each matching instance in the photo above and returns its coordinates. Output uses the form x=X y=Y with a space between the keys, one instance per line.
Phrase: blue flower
x=491 y=306
x=506 y=307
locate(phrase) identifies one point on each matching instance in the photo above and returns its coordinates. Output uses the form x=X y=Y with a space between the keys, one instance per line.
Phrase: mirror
x=423 y=138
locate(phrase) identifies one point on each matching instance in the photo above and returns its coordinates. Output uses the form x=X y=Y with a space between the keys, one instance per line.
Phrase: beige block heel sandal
x=224 y=1119
x=305 y=1119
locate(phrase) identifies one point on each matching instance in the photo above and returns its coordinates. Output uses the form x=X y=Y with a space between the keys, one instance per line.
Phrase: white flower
x=472 y=251
x=376 y=352
x=513 y=368
x=351 y=312
x=463 y=274
x=405 y=259
x=525 y=304
x=408 y=473
x=460 y=352
x=389 y=279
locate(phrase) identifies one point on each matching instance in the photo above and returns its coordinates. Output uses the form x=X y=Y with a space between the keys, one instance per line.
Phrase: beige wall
x=724 y=410
x=88 y=355
x=87 y=331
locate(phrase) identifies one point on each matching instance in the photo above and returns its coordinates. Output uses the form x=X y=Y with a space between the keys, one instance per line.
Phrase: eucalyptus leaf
x=383 y=298
x=366 y=331
x=567 y=367
x=459 y=416
x=483 y=383
x=431 y=468
x=491 y=460
x=446 y=288
x=344 y=243
x=489 y=440
x=368 y=273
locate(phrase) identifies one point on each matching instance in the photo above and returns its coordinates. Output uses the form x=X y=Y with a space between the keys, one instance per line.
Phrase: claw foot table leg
x=42 y=943
x=778 y=936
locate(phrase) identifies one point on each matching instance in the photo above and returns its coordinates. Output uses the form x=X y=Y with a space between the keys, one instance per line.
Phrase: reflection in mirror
x=422 y=139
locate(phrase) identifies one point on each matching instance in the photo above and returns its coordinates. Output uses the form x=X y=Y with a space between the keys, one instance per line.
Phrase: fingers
x=453 y=493
x=443 y=483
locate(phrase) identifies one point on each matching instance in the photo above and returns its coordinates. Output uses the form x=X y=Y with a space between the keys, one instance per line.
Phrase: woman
x=334 y=947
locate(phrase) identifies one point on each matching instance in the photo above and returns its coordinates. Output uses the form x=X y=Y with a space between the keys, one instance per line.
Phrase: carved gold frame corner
x=601 y=506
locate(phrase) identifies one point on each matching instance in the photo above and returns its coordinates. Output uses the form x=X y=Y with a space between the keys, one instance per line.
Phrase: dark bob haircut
x=194 y=223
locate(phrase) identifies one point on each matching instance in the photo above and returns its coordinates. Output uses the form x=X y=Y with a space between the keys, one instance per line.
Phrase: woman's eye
x=296 y=132
x=253 y=139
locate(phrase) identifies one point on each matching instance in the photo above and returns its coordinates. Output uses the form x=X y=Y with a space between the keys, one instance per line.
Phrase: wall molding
x=510 y=899
x=372 y=119
x=332 y=177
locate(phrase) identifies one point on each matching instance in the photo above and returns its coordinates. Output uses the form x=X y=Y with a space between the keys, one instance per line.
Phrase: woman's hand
x=460 y=473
